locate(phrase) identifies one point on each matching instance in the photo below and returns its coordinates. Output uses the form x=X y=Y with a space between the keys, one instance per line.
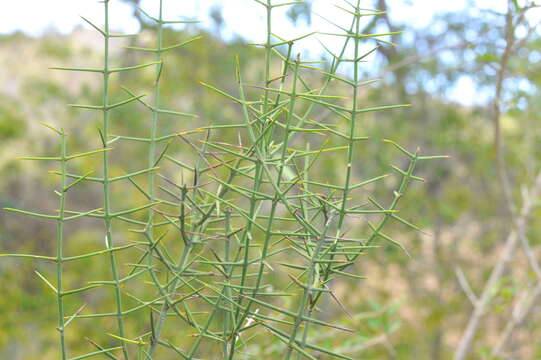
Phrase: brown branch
x=519 y=220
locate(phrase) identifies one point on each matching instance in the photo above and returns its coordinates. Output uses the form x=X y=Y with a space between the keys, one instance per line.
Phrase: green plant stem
x=189 y=242
x=152 y=177
x=227 y=314
x=263 y=146
x=154 y=128
x=281 y=166
x=351 y=145
x=180 y=269
x=268 y=54
x=106 y=185
x=60 y=247
x=258 y=180
x=352 y=126
x=246 y=240
x=404 y=183
x=259 y=150
x=306 y=292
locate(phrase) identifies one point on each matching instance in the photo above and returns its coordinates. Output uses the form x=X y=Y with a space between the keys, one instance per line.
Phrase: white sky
x=241 y=17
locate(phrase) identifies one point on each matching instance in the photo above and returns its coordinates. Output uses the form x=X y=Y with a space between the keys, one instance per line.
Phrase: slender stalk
x=106 y=184
x=60 y=247
x=245 y=246
x=260 y=149
x=307 y=291
x=151 y=175
x=189 y=240
x=281 y=166
x=154 y=121
x=352 y=124
x=227 y=315
x=268 y=59
x=181 y=268
x=406 y=179
x=349 y=156
x=178 y=271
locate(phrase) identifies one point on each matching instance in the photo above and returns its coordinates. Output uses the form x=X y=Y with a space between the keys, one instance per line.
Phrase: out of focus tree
x=301 y=11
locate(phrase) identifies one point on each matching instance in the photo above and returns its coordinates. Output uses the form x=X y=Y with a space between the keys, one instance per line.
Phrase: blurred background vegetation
x=408 y=307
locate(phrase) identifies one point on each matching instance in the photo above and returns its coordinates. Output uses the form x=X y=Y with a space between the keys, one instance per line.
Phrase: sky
x=245 y=17
x=241 y=16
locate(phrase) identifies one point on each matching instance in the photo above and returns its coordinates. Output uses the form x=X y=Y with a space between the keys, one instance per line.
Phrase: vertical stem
x=60 y=247
x=268 y=49
x=154 y=123
x=106 y=185
x=278 y=195
x=307 y=291
x=188 y=243
x=258 y=176
x=151 y=175
x=245 y=244
x=204 y=330
x=351 y=144
x=306 y=239
x=180 y=269
x=351 y=141
x=227 y=289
